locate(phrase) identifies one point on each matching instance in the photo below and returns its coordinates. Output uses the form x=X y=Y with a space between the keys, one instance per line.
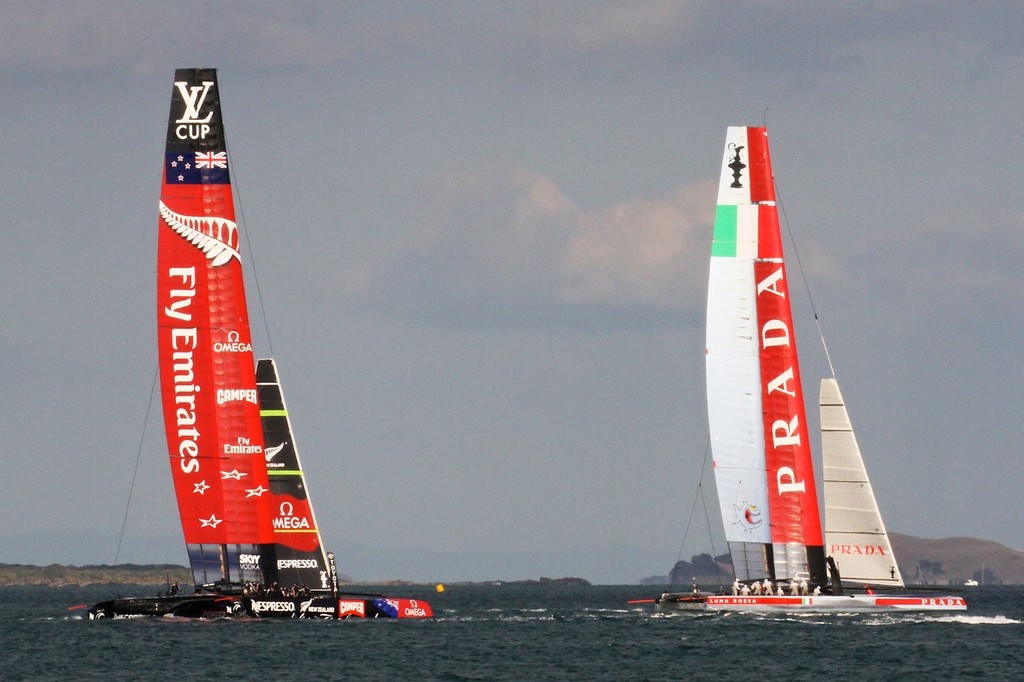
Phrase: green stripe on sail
x=284 y=472
x=723 y=244
x=273 y=413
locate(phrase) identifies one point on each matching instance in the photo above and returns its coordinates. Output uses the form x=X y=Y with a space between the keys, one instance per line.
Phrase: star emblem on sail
x=215 y=237
x=211 y=522
x=235 y=474
x=201 y=487
x=257 y=491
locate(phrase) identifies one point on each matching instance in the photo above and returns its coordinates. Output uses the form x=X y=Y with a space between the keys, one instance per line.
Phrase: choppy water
x=515 y=633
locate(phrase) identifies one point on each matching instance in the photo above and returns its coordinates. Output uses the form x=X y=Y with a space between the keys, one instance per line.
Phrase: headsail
x=296 y=556
x=207 y=372
x=854 y=532
x=762 y=456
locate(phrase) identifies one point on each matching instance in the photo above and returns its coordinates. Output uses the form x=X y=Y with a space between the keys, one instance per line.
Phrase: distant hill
x=951 y=561
x=948 y=561
x=57 y=575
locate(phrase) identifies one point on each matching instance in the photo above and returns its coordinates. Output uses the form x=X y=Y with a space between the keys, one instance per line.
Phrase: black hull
x=191 y=606
x=225 y=606
x=325 y=607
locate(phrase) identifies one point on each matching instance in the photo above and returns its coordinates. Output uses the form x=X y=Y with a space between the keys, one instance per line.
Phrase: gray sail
x=854 y=532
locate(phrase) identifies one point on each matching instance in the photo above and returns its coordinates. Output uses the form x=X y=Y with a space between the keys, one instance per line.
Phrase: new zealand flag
x=187 y=167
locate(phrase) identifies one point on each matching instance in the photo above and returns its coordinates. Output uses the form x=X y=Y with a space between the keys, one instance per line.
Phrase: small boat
x=253 y=542
x=759 y=436
x=681 y=601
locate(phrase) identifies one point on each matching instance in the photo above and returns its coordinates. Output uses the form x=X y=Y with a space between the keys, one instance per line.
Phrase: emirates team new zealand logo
x=737 y=166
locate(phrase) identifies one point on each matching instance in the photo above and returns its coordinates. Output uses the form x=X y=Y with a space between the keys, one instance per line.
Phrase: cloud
x=650 y=252
x=42 y=38
x=508 y=247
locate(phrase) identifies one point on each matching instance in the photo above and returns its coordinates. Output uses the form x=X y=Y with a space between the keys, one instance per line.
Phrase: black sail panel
x=296 y=557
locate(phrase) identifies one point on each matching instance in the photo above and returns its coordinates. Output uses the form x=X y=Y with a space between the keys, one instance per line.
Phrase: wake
x=959 y=618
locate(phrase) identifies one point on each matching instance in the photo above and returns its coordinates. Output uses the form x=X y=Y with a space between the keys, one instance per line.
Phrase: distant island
x=948 y=561
x=59 y=575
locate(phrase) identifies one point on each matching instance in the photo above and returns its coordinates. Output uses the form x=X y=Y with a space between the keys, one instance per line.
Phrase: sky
x=477 y=240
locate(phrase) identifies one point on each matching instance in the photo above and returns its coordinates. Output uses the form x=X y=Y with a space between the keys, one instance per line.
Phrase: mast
x=207 y=372
x=762 y=456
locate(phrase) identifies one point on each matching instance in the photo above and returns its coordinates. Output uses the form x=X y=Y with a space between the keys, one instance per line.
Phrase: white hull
x=822 y=603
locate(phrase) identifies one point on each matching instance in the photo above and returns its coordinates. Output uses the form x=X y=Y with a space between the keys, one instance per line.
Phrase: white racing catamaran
x=762 y=454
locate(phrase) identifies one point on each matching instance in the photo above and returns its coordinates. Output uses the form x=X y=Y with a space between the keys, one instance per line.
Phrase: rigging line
x=711 y=537
x=699 y=494
x=252 y=258
x=803 y=276
x=135 y=471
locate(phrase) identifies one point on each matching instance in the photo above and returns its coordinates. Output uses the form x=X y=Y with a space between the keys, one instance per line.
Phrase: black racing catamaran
x=253 y=543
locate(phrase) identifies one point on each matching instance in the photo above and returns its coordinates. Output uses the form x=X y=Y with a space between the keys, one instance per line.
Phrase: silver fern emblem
x=215 y=237
x=271 y=453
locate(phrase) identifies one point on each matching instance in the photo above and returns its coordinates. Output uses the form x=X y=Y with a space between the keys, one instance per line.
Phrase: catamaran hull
x=192 y=606
x=226 y=606
x=331 y=608
x=848 y=603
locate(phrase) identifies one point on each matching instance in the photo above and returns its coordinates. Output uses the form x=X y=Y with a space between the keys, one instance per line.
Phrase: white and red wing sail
x=763 y=466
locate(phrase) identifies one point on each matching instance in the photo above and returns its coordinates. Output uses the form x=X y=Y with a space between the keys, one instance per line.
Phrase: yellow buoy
x=439 y=587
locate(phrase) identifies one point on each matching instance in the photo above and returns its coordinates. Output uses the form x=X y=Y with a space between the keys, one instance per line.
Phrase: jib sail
x=296 y=557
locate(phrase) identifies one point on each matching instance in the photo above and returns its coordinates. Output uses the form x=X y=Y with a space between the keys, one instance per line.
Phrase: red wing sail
x=792 y=497
x=207 y=373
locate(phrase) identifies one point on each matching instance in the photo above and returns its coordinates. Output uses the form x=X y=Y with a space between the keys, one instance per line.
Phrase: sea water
x=514 y=632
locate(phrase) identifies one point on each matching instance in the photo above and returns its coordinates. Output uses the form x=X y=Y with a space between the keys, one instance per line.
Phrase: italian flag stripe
x=724 y=243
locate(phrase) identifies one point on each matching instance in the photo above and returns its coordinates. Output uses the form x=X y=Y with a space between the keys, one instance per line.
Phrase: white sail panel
x=732 y=359
x=855 y=535
x=734 y=417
